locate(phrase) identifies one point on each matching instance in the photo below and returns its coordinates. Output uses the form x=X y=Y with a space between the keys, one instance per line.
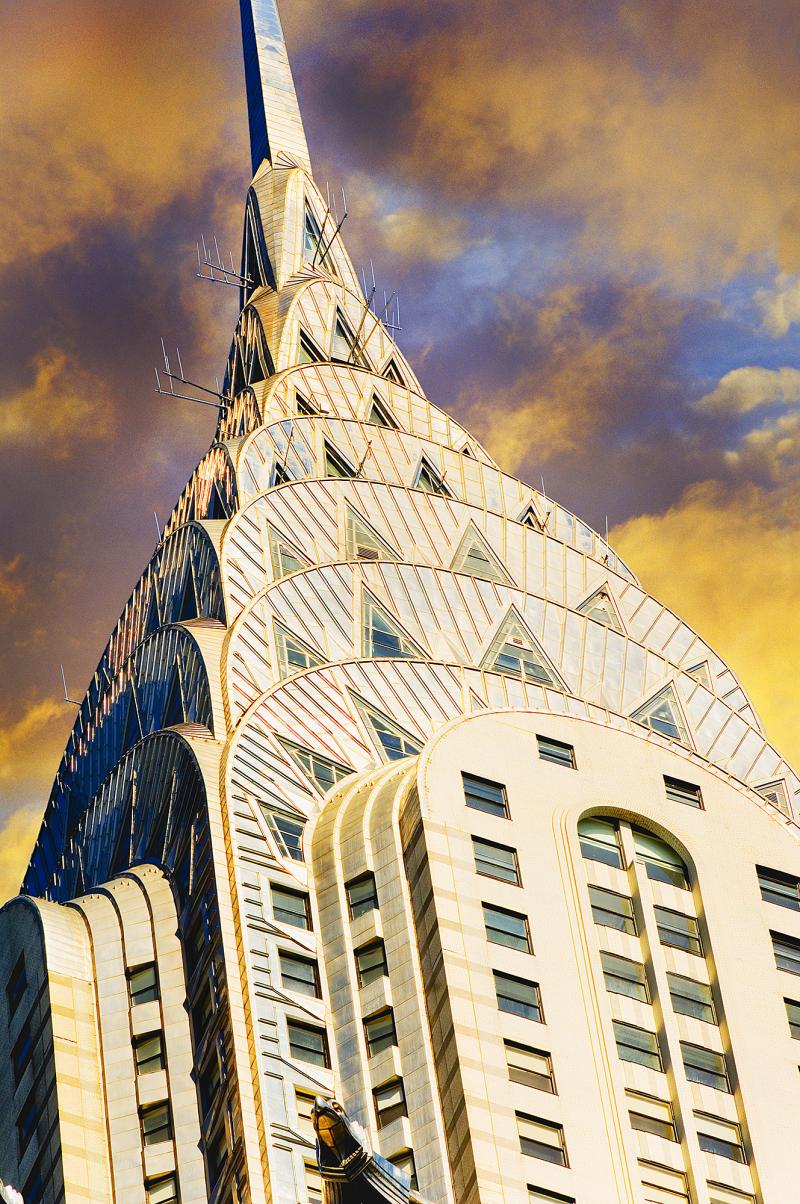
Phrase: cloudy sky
x=591 y=211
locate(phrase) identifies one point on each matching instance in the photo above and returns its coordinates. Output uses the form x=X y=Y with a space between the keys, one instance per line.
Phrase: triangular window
x=392 y=372
x=311 y=236
x=335 y=463
x=173 y=708
x=430 y=479
x=663 y=714
x=280 y=473
x=307 y=352
x=394 y=741
x=343 y=346
x=382 y=635
x=516 y=652
x=304 y=406
x=600 y=607
x=701 y=673
x=152 y=621
x=287 y=832
x=188 y=606
x=474 y=556
x=322 y=772
x=294 y=654
x=217 y=507
x=284 y=556
x=252 y=268
x=466 y=450
x=529 y=518
x=362 y=541
x=133 y=728
x=381 y=415
x=775 y=793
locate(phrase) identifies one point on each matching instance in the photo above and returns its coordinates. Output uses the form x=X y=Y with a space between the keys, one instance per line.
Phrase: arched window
x=600 y=840
x=660 y=860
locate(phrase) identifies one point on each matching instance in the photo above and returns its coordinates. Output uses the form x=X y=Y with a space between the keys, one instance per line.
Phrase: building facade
x=394 y=786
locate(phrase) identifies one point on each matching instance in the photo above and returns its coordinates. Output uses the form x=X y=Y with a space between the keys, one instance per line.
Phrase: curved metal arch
x=211 y=485
x=240 y=418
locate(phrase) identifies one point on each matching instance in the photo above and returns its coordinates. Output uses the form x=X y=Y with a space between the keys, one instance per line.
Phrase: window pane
x=290 y=907
x=624 y=977
x=362 y=895
x=555 y=751
x=379 y=1031
x=307 y=1043
x=645 y=1123
x=661 y=861
x=156 y=1124
x=390 y=1102
x=612 y=910
x=779 y=888
x=163 y=1190
x=508 y=928
x=538 y=1195
x=787 y=952
x=705 y=1066
x=149 y=1053
x=371 y=962
x=288 y=834
x=691 y=998
x=541 y=1139
x=532 y=1067
x=637 y=1045
x=679 y=931
x=517 y=996
x=599 y=840
x=299 y=974
x=15 y=987
x=404 y=1161
x=683 y=792
x=485 y=796
x=143 y=984
x=720 y=1137
x=495 y=860
x=793 y=1013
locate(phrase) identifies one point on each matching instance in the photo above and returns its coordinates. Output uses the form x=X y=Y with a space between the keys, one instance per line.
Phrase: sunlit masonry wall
x=394 y=786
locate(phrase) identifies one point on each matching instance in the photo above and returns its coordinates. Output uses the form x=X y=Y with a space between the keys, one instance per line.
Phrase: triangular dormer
x=307 y=350
x=382 y=635
x=362 y=541
x=294 y=654
x=474 y=556
x=323 y=772
x=336 y=465
x=173 y=705
x=701 y=673
x=391 y=741
x=516 y=652
x=284 y=556
x=777 y=794
x=392 y=372
x=344 y=348
x=662 y=713
x=381 y=415
x=601 y=607
x=428 y=478
x=530 y=518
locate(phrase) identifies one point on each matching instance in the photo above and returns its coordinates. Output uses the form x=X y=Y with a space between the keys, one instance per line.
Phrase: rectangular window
x=691 y=998
x=143 y=984
x=21 y=1053
x=662 y=1185
x=793 y=1014
x=612 y=910
x=721 y=1137
x=683 y=792
x=555 y=751
x=679 y=931
x=404 y=1161
x=313 y=1183
x=505 y=927
x=787 y=952
x=720 y=1194
x=371 y=962
x=599 y=840
x=162 y=1190
x=518 y=996
x=637 y=1045
x=624 y=977
x=542 y=1139
x=780 y=888
x=287 y=832
x=362 y=895
x=533 y=1067
x=26 y=1123
x=148 y=1052
x=660 y=860
x=496 y=861
x=291 y=907
x=308 y=1043
x=300 y=974
x=705 y=1066
x=15 y=987
x=208 y=1082
x=538 y=1195
x=651 y=1115
x=485 y=796
x=156 y=1123
x=390 y=1102
x=380 y=1032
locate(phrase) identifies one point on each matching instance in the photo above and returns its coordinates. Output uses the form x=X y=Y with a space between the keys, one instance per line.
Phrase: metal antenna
x=158 y=527
x=67 y=698
x=319 y=252
x=179 y=377
x=364 y=457
x=218 y=272
x=606 y=530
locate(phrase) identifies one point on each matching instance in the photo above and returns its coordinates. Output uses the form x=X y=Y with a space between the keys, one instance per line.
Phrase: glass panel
x=663 y=864
x=691 y=998
x=508 y=928
x=624 y=977
x=637 y=1045
x=495 y=860
x=705 y=1066
x=599 y=839
x=612 y=910
x=517 y=996
x=486 y=796
x=678 y=931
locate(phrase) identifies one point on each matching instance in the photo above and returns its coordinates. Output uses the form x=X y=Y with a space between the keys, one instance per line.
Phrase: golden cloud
x=727 y=563
x=17 y=837
x=63 y=406
x=779 y=305
x=746 y=389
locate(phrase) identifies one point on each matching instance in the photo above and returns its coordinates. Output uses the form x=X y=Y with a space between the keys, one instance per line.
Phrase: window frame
x=373 y=974
x=633 y=930
x=525 y=944
x=790 y=943
x=138 y=1041
x=547 y=746
x=612 y=974
x=709 y=1003
x=766 y=876
x=535 y=1006
x=686 y=793
x=369 y=903
x=695 y=1072
x=133 y=996
x=493 y=844
x=385 y=1116
x=388 y=1040
x=276 y=888
x=527 y=1077
x=600 y=851
x=655 y=1062
x=16 y=985
x=149 y=1110
x=482 y=802
x=543 y=1149
x=793 y=1024
x=299 y=1026
x=288 y=956
x=692 y=942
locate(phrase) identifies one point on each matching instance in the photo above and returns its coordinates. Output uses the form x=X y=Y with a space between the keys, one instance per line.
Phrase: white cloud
x=746 y=389
x=779 y=306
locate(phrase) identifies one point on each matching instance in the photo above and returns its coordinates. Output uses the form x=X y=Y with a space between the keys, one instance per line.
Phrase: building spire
x=275 y=122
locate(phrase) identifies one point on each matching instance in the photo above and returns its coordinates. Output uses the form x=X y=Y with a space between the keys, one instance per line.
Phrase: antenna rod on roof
x=158 y=527
x=67 y=698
